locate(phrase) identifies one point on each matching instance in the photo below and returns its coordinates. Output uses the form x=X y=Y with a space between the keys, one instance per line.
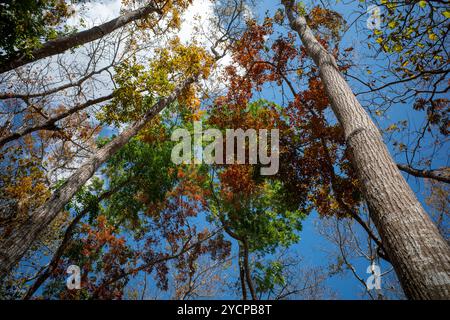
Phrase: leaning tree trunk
x=418 y=252
x=14 y=246
x=62 y=44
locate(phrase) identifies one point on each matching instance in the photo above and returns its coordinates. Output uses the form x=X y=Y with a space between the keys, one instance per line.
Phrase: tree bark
x=60 y=45
x=442 y=175
x=248 y=275
x=242 y=273
x=14 y=246
x=64 y=243
x=418 y=252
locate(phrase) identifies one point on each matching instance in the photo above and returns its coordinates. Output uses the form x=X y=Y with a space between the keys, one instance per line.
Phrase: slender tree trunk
x=65 y=242
x=418 y=252
x=242 y=272
x=60 y=45
x=14 y=246
x=248 y=274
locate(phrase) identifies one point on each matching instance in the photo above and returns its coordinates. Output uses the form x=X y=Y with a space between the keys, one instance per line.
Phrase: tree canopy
x=358 y=96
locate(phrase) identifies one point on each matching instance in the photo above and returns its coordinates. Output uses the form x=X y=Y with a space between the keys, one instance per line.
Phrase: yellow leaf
x=392 y=127
x=398 y=48
x=392 y=24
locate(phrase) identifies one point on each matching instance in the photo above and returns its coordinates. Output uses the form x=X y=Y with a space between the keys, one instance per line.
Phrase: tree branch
x=60 y=45
x=442 y=175
x=49 y=124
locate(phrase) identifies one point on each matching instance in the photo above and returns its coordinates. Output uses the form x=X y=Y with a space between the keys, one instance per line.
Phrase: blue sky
x=312 y=246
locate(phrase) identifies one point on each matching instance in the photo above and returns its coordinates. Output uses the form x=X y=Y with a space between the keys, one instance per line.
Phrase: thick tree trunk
x=60 y=45
x=14 y=247
x=419 y=254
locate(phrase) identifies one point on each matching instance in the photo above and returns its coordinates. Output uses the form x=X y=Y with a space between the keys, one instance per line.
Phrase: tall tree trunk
x=419 y=254
x=60 y=45
x=247 y=270
x=54 y=262
x=14 y=246
x=242 y=272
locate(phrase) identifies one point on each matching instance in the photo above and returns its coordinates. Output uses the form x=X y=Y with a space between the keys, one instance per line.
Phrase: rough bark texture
x=60 y=45
x=419 y=254
x=14 y=247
